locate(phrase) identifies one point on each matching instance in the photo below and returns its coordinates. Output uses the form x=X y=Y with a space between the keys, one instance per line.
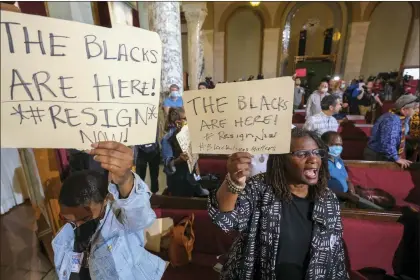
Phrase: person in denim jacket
x=178 y=177
x=103 y=237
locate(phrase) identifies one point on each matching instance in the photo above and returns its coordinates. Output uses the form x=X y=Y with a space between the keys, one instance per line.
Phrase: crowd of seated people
x=298 y=187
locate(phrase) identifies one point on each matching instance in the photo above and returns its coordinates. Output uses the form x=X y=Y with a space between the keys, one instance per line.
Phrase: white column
x=219 y=57
x=355 y=48
x=208 y=40
x=195 y=13
x=270 y=51
x=121 y=14
x=165 y=20
x=143 y=9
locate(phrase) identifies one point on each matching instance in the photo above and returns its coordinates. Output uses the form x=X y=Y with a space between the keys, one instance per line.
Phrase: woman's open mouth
x=311 y=173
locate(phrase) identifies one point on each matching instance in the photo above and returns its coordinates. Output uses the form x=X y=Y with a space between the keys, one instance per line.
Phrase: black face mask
x=84 y=233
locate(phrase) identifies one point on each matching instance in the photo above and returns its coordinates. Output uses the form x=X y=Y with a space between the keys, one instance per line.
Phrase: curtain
x=13 y=185
x=121 y=13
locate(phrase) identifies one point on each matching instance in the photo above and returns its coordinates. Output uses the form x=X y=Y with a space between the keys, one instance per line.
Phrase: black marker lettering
x=132 y=56
x=53 y=46
x=122 y=51
x=145 y=55
x=54 y=115
x=87 y=46
x=95 y=118
x=39 y=42
x=241 y=102
x=43 y=84
x=106 y=119
x=106 y=52
x=127 y=118
x=97 y=86
x=121 y=87
x=64 y=88
x=193 y=101
x=9 y=35
x=69 y=117
x=15 y=72
x=154 y=53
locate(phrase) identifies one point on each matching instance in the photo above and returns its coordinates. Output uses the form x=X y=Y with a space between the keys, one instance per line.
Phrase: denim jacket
x=117 y=250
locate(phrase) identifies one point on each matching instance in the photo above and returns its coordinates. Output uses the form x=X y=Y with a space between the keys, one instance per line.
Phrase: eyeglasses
x=321 y=153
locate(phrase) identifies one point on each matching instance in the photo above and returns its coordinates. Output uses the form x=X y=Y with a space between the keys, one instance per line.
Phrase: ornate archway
x=284 y=17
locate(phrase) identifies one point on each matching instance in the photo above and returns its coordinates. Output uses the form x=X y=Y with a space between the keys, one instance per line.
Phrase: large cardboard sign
x=67 y=84
x=253 y=117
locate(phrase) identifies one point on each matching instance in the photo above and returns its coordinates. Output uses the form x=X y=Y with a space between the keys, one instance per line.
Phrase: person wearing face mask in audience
x=339 y=181
x=174 y=100
x=103 y=234
x=313 y=106
x=298 y=95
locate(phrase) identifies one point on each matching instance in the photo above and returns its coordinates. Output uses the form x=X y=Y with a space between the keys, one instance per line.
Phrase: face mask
x=84 y=233
x=324 y=90
x=335 y=150
x=174 y=94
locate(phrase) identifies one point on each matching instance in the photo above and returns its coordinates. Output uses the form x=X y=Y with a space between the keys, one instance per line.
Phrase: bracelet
x=233 y=188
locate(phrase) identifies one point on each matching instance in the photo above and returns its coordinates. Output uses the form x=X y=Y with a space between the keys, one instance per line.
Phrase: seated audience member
x=202 y=85
x=174 y=100
x=179 y=179
x=99 y=215
x=313 y=106
x=324 y=121
x=298 y=95
x=339 y=181
x=148 y=154
x=387 y=141
x=278 y=216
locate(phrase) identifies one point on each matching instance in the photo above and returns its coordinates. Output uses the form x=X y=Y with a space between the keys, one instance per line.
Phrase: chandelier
x=254 y=4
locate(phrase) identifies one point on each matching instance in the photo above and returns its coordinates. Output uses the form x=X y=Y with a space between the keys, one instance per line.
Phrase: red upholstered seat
x=403 y=185
x=371 y=243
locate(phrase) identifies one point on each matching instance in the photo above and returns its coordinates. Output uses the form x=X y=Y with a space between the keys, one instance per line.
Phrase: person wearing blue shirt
x=387 y=141
x=103 y=235
x=339 y=181
x=174 y=100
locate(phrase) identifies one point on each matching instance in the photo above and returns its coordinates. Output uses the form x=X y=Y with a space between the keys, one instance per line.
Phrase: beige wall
x=386 y=38
x=243 y=45
x=412 y=57
x=315 y=40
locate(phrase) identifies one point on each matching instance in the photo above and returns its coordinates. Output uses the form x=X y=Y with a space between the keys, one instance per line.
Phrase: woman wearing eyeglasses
x=103 y=237
x=289 y=220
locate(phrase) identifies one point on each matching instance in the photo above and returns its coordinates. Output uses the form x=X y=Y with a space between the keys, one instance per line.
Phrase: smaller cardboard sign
x=184 y=141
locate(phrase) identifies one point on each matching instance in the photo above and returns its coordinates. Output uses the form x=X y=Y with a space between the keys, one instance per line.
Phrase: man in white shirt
x=324 y=121
x=313 y=106
x=259 y=163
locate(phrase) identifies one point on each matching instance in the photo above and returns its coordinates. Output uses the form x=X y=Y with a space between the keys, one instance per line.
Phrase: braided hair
x=276 y=169
x=174 y=115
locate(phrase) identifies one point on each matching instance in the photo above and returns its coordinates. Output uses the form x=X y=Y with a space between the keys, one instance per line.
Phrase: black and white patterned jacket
x=257 y=217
